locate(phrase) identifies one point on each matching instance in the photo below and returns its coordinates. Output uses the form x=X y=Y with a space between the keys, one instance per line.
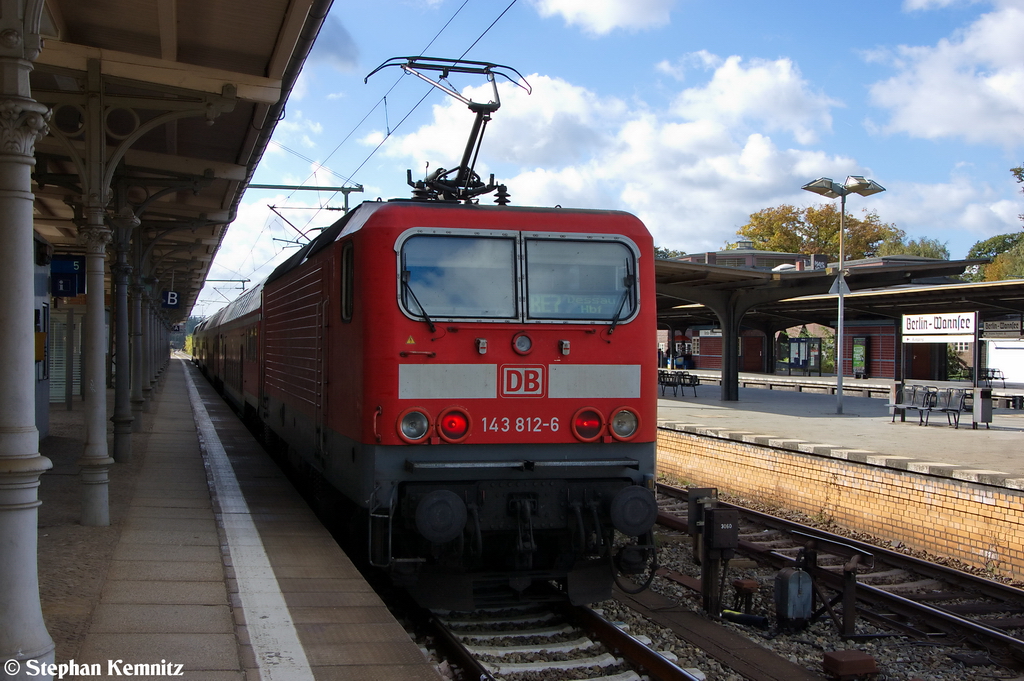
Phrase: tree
x=775 y=229
x=923 y=247
x=1007 y=265
x=664 y=253
x=993 y=247
x=815 y=230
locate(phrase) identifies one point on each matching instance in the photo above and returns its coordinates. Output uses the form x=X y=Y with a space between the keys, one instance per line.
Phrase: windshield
x=450 y=276
x=590 y=280
x=454 y=276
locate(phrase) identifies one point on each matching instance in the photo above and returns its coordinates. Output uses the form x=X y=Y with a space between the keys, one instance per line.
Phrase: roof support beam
x=149 y=72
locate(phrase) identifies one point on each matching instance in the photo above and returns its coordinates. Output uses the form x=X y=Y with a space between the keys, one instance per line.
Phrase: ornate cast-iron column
x=23 y=635
x=124 y=222
x=138 y=402
x=95 y=460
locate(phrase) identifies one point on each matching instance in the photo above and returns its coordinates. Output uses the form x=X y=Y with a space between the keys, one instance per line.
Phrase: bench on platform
x=990 y=374
x=948 y=401
x=903 y=400
x=677 y=380
x=918 y=398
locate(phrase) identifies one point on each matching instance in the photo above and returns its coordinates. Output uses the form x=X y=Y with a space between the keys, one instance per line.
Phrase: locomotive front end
x=518 y=436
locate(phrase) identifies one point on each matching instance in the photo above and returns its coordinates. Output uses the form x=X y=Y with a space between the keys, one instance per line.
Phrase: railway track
x=539 y=642
x=898 y=592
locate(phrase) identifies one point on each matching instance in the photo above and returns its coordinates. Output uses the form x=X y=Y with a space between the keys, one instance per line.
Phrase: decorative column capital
x=95 y=237
x=22 y=123
x=122 y=270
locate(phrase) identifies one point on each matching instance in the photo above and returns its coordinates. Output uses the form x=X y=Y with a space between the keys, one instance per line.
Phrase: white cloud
x=959 y=211
x=559 y=123
x=295 y=126
x=700 y=59
x=913 y=5
x=600 y=17
x=968 y=86
x=772 y=93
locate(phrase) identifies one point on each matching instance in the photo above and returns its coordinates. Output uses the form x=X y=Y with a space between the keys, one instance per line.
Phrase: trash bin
x=982 y=406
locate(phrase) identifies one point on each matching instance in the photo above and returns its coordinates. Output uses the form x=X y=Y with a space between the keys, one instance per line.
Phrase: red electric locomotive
x=479 y=382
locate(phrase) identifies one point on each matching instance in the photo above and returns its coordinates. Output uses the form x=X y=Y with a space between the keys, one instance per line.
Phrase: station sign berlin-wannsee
x=1006 y=328
x=957 y=327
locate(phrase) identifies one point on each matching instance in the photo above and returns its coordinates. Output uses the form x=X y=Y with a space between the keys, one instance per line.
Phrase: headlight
x=624 y=424
x=413 y=425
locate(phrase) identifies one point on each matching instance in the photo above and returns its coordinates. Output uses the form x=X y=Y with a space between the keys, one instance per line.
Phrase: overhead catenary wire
x=382 y=100
x=391 y=131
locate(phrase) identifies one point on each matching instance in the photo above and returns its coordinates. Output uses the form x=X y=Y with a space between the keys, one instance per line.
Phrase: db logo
x=522 y=381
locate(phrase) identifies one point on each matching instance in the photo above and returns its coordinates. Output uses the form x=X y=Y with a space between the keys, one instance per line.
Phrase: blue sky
x=691 y=114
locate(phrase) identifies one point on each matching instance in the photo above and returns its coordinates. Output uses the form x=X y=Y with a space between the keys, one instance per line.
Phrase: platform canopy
x=189 y=93
x=731 y=297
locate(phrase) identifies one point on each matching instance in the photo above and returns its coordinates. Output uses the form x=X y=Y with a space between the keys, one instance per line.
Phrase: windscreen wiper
x=629 y=281
x=408 y=288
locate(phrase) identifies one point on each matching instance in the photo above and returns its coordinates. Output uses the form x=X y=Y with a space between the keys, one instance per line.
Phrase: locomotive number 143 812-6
x=520 y=424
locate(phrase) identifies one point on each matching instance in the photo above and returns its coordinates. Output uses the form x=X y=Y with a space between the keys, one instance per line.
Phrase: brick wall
x=977 y=524
x=882 y=349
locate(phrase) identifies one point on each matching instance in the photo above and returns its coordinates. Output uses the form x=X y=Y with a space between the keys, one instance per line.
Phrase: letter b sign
x=171 y=300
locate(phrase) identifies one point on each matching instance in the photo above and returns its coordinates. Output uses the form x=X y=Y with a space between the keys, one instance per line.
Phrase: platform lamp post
x=855 y=184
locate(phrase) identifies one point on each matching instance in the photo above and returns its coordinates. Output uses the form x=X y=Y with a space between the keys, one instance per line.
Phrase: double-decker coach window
x=587 y=280
x=456 y=276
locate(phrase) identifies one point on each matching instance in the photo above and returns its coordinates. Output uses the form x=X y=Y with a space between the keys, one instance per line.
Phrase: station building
x=875 y=343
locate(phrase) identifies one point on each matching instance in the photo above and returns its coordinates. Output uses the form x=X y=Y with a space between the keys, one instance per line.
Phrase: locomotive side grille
x=292 y=356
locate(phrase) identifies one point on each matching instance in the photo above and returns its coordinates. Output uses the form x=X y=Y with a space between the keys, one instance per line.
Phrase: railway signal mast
x=461 y=183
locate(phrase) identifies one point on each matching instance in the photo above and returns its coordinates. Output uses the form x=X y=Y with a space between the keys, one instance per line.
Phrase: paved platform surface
x=864 y=425
x=235 y=580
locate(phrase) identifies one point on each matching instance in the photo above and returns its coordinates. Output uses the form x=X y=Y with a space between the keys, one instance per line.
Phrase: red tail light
x=587 y=424
x=453 y=425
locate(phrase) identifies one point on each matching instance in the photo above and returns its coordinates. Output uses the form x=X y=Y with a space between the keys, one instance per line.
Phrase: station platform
x=803 y=410
x=212 y=561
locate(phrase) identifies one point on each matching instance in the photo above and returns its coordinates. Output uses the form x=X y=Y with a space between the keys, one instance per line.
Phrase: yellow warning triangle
x=411 y=341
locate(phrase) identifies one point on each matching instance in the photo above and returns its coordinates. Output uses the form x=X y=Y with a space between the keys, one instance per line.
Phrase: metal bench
x=677 y=380
x=990 y=374
x=922 y=400
x=668 y=379
x=687 y=380
x=949 y=401
x=904 y=400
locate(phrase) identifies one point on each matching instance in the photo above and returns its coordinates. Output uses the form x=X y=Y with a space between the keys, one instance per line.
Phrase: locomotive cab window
x=458 y=277
x=516 y=276
x=584 y=280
